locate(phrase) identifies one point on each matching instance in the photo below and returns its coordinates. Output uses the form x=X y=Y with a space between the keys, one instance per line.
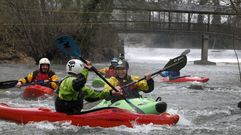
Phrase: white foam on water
x=44 y=125
x=141 y=129
x=50 y=126
x=164 y=54
x=206 y=112
x=182 y=119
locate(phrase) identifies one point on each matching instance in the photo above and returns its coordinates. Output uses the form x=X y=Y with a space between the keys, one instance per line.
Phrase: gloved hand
x=19 y=84
x=148 y=76
x=88 y=65
x=118 y=92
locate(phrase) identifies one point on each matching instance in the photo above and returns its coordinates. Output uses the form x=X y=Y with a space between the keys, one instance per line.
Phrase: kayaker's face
x=121 y=72
x=44 y=68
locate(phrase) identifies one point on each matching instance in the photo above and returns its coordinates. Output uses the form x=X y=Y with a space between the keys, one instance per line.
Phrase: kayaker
x=110 y=71
x=170 y=74
x=72 y=90
x=44 y=75
x=122 y=78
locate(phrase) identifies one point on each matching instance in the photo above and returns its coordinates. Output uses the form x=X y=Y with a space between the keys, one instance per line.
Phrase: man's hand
x=118 y=92
x=19 y=84
x=88 y=65
x=148 y=76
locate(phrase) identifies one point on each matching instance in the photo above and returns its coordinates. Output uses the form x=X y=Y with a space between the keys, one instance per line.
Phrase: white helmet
x=74 y=66
x=44 y=61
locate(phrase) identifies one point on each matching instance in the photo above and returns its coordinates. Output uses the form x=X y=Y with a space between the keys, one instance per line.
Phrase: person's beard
x=44 y=70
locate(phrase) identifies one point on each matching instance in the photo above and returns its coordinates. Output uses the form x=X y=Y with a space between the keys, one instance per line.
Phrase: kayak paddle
x=13 y=83
x=173 y=65
x=172 y=62
x=8 y=84
x=66 y=44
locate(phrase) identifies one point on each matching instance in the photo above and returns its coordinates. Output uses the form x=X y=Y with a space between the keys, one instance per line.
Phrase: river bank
x=9 y=55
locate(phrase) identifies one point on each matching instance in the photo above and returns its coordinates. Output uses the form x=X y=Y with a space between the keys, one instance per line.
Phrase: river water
x=209 y=108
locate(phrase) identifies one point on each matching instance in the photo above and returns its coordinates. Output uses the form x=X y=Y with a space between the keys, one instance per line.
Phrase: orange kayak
x=36 y=91
x=103 y=117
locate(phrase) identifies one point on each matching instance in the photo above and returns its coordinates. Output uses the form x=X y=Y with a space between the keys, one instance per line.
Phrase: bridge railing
x=142 y=26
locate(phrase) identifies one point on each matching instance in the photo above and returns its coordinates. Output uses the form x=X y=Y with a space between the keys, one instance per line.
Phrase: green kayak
x=147 y=105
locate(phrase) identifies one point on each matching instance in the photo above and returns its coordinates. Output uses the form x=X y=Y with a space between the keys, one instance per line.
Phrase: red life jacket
x=37 y=76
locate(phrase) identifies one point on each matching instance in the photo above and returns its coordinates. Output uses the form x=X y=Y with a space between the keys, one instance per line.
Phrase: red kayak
x=186 y=79
x=104 y=117
x=36 y=91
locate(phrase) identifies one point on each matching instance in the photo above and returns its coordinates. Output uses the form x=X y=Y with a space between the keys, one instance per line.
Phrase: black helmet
x=122 y=64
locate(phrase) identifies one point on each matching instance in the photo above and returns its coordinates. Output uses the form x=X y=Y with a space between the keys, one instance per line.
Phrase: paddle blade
x=8 y=84
x=176 y=64
x=67 y=45
x=185 y=52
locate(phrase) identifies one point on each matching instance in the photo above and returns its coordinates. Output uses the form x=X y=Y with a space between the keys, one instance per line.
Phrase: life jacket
x=129 y=92
x=37 y=75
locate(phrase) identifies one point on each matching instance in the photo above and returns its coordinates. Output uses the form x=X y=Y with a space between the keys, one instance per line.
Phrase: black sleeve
x=92 y=99
x=79 y=82
x=150 y=84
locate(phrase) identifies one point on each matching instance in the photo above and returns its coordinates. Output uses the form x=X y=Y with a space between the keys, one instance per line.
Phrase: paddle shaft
x=185 y=52
x=96 y=71
x=39 y=82
x=8 y=84
x=157 y=72
x=13 y=83
x=127 y=85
